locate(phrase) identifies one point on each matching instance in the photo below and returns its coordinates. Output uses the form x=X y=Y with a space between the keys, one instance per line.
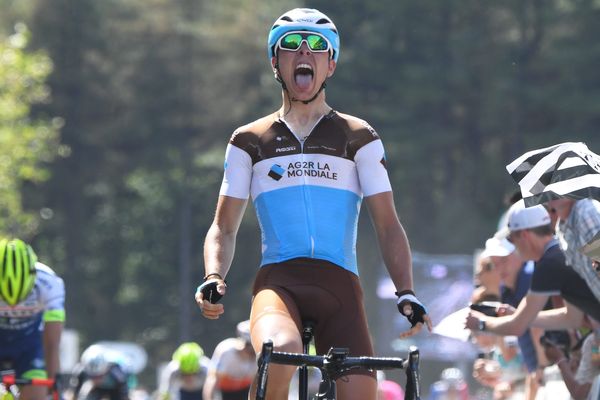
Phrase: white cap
x=526 y=218
x=503 y=232
x=497 y=247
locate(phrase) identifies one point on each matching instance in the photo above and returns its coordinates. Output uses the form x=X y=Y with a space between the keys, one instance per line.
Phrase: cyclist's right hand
x=211 y=310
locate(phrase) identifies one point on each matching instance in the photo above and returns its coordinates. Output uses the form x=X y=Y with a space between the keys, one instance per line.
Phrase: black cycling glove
x=407 y=297
x=209 y=288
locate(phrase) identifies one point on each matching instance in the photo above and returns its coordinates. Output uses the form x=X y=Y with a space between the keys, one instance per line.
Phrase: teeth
x=306 y=66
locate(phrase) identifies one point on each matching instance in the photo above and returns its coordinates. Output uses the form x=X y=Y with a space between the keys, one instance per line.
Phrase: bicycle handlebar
x=12 y=380
x=336 y=362
x=8 y=378
x=343 y=363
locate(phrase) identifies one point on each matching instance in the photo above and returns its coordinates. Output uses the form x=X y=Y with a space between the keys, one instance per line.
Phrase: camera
x=561 y=339
x=488 y=308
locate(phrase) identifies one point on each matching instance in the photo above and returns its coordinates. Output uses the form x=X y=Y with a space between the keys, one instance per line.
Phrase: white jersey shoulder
x=228 y=359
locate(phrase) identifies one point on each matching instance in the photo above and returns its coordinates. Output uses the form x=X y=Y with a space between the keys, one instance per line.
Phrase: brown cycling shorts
x=326 y=294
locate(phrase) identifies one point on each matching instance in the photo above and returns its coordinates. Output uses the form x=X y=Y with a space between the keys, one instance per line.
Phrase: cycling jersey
x=113 y=384
x=173 y=386
x=45 y=303
x=307 y=193
x=234 y=368
x=21 y=325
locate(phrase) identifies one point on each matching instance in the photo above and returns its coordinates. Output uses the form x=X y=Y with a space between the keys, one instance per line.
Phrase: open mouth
x=303 y=76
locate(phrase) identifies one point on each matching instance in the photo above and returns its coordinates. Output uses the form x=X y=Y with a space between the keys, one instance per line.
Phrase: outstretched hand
x=414 y=311
x=211 y=310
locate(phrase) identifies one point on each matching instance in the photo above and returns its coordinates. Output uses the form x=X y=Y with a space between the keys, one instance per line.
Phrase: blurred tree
x=28 y=144
x=151 y=93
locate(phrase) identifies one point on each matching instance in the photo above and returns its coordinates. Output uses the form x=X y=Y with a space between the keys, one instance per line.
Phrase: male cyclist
x=184 y=377
x=32 y=315
x=101 y=374
x=307 y=168
x=232 y=367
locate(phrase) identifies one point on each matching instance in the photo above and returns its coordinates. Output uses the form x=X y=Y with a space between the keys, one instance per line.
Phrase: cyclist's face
x=304 y=71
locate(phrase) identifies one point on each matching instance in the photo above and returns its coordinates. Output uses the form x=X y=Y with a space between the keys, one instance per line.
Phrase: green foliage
x=27 y=144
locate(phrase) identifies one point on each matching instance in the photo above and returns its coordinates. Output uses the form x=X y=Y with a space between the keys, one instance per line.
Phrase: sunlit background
x=114 y=117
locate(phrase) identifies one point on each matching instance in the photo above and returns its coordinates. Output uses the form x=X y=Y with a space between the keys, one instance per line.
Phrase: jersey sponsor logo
x=17 y=324
x=312 y=169
x=369 y=128
x=28 y=309
x=285 y=149
x=276 y=172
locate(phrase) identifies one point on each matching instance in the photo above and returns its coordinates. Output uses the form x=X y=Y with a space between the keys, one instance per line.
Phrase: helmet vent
x=323 y=21
x=286 y=18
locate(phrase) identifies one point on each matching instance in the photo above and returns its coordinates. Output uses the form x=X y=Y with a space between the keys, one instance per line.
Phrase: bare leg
x=275 y=317
x=33 y=392
x=356 y=387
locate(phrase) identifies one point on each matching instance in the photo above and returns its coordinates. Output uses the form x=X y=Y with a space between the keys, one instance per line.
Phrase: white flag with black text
x=563 y=170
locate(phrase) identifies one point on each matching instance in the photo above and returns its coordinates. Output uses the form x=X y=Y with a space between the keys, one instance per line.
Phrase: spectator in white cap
x=531 y=231
x=486 y=278
x=515 y=276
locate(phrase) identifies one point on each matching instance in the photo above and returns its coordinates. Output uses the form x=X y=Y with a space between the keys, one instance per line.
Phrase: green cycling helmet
x=17 y=270
x=188 y=355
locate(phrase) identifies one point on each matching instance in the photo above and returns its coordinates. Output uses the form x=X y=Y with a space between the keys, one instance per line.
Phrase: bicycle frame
x=334 y=364
x=9 y=380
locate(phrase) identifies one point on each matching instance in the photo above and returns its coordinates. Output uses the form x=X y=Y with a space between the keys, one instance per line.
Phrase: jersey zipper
x=305 y=192
x=307 y=202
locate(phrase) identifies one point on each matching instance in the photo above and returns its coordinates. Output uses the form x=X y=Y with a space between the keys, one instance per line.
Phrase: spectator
x=388 y=389
x=533 y=235
x=579 y=380
x=487 y=278
x=500 y=364
x=579 y=222
x=515 y=276
x=451 y=386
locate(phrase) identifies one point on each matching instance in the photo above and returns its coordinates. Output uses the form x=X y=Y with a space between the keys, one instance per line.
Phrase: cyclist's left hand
x=414 y=311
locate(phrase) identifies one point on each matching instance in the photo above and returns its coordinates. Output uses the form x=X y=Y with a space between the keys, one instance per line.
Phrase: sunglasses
x=292 y=41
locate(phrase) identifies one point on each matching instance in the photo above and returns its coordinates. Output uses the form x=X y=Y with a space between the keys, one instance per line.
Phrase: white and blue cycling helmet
x=304 y=19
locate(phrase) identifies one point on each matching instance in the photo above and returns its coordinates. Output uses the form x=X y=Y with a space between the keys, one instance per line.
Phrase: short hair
x=544 y=230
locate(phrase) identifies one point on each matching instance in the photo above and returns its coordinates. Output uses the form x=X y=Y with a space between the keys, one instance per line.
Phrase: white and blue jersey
x=307 y=194
x=21 y=325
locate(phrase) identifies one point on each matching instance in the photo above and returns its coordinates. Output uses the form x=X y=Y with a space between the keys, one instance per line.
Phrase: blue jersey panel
x=323 y=226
